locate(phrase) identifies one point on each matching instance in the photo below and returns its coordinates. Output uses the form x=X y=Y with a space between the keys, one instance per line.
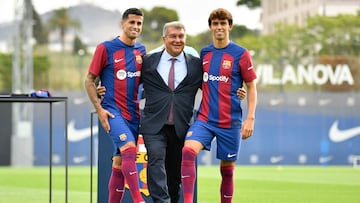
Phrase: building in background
x=298 y=11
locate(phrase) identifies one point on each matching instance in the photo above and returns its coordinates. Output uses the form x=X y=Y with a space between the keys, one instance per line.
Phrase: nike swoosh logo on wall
x=79 y=159
x=325 y=159
x=76 y=135
x=337 y=135
x=275 y=102
x=323 y=102
x=276 y=159
x=78 y=101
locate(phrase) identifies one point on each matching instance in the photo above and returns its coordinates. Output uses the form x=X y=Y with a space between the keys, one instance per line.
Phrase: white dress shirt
x=180 y=69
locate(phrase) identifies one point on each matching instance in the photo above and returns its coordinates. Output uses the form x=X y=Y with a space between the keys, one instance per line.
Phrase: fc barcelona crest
x=138 y=59
x=226 y=64
x=123 y=137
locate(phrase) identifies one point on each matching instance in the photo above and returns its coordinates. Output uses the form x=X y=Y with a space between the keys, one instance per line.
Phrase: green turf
x=284 y=185
x=253 y=185
x=31 y=185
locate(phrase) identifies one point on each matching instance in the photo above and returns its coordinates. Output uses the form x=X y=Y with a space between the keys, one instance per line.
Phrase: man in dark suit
x=163 y=136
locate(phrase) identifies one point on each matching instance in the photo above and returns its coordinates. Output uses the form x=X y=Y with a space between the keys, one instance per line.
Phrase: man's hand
x=247 y=128
x=241 y=93
x=103 y=117
x=100 y=90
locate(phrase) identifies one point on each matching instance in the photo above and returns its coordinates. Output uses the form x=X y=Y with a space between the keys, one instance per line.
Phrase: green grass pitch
x=253 y=184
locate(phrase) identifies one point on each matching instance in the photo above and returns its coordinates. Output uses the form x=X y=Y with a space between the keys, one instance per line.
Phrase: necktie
x=171 y=84
x=171 y=79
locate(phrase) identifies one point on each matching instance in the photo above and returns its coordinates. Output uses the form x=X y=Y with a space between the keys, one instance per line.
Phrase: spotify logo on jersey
x=122 y=74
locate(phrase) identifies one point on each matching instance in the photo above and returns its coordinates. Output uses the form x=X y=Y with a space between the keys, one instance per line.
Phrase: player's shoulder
x=110 y=42
x=207 y=48
x=139 y=45
x=234 y=45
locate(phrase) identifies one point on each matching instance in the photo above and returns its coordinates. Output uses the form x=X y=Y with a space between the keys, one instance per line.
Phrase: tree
x=5 y=72
x=339 y=35
x=39 y=31
x=78 y=45
x=41 y=68
x=62 y=21
x=200 y=40
x=252 y=4
x=154 y=22
x=240 y=31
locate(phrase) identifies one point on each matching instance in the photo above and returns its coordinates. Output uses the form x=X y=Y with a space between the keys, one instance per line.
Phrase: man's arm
x=248 y=125
x=93 y=96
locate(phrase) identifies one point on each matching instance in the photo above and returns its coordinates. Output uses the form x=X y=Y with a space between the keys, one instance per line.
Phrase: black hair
x=134 y=11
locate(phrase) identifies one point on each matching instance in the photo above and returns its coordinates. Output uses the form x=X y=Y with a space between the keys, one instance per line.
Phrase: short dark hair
x=134 y=11
x=221 y=14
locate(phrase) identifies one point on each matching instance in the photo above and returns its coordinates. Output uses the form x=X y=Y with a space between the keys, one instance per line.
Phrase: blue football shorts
x=122 y=132
x=228 y=140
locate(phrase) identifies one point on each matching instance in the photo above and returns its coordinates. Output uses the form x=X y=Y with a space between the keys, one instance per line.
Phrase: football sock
x=116 y=186
x=227 y=183
x=130 y=173
x=188 y=173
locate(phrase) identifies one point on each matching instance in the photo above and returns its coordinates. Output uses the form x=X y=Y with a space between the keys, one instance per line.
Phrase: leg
x=173 y=164
x=199 y=137
x=116 y=182
x=156 y=175
x=227 y=181
x=188 y=169
x=228 y=146
x=126 y=147
x=130 y=172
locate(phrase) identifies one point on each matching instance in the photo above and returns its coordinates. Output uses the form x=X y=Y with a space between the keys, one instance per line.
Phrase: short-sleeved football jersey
x=225 y=70
x=119 y=68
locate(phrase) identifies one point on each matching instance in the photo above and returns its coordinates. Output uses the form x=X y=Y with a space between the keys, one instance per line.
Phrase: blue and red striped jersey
x=225 y=70
x=119 y=68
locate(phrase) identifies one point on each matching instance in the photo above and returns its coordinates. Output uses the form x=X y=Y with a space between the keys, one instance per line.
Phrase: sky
x=193 y=13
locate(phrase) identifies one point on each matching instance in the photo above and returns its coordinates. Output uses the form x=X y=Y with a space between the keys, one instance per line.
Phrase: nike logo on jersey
x=118 y=60
x=251 y=67
x=337 y=135
x=205 y=62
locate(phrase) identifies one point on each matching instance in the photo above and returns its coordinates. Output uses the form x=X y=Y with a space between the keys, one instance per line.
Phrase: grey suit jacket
x=159 y=96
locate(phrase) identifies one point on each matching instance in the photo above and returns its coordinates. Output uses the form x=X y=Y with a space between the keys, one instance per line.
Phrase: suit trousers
x=164 y=164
